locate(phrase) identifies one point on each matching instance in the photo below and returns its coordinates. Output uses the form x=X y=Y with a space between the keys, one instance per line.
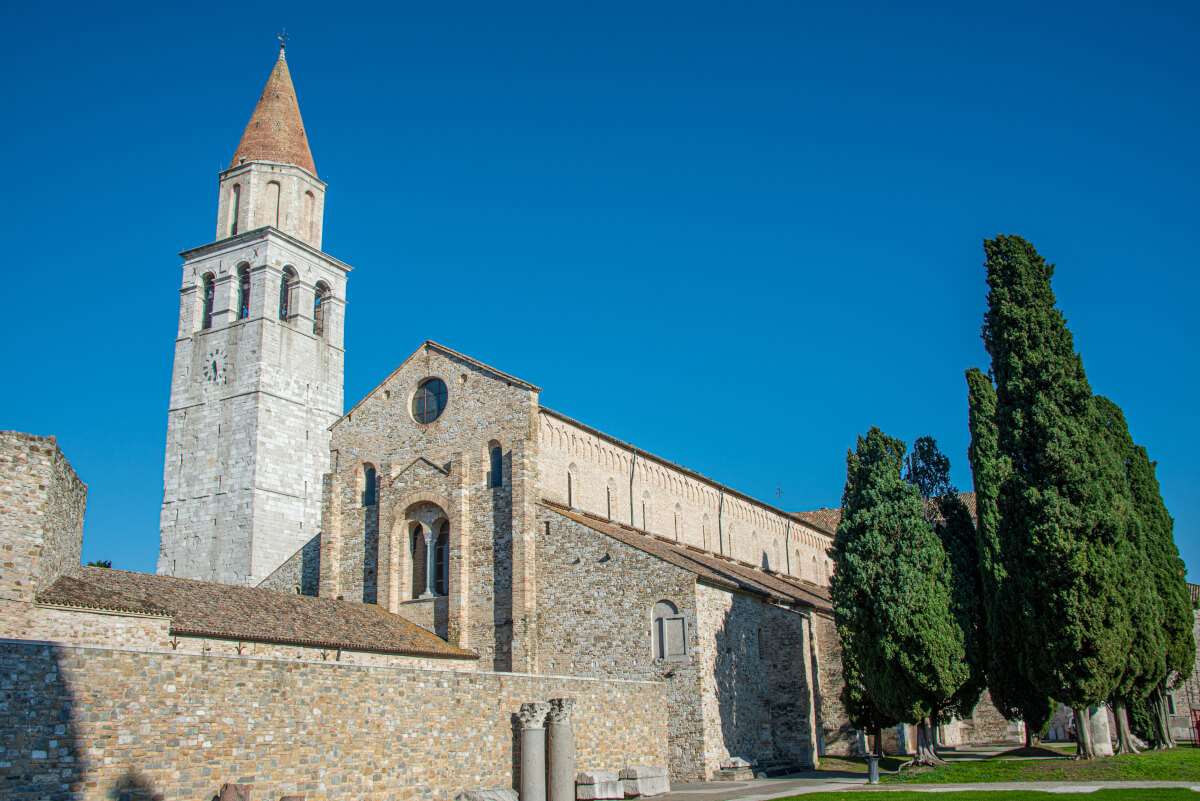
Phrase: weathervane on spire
x=283 y=37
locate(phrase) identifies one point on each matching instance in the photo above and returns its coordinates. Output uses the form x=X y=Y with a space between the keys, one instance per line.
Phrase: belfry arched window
x=320 y=302
x=441 y=560
x=286 y=284
x=420 y=561
x=243 y=310
x=668 y=632
x=209 y=289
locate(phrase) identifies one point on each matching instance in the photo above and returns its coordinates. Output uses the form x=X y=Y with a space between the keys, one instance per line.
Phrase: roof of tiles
x=222 y=611
x=275 y=131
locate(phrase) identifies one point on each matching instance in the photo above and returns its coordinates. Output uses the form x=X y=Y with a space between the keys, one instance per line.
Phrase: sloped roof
x=708 y=567
x=222 y=611
x=275 y=131
x=828 y=519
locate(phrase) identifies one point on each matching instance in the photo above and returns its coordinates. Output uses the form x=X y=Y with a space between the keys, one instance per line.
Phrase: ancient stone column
x=430 y=560
x=533 y=751
x=561 y=737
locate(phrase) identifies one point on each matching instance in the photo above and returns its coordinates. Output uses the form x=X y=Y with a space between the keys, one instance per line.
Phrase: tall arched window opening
x=273 y=203
x=210 y=289
x=310 y=222
x=235 y=208
x=668 y=632
x=496 y=461
x=571 y=488
x=286 y=284
x=645 y=510
x=420 y=561
x=369 y=483
x=243 y=292
x=441 y=560
x=320 y=301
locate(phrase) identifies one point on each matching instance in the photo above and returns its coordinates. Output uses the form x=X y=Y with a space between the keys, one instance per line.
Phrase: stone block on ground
x=735 y=769
x=591 y=785
x=499 y=794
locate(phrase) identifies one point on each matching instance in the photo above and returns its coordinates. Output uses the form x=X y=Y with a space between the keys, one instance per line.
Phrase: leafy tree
x=1145 y=664
x=1063 y=507
x=100 y=563
x=1012 y=694
x=890 y=592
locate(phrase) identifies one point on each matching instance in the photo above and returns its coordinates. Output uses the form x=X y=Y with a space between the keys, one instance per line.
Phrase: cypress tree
x=1145 y=663
x=862 y=712
x=1063 y=506
x=1179 y=644
x=1012 y=694
x=891 y=595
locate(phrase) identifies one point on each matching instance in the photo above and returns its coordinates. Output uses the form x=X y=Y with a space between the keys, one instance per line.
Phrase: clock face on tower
x=214 y=365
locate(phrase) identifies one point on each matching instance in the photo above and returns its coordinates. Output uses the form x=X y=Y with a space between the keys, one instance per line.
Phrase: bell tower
x=259 y=358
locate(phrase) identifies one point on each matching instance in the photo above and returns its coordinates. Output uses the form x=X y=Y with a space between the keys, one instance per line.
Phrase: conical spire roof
x=275 y=131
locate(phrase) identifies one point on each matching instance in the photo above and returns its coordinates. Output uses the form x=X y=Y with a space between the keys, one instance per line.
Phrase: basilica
x=359 y=599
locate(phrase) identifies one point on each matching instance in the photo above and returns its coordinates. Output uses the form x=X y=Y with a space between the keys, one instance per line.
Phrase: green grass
x=1169 y=794
x=1179 y=764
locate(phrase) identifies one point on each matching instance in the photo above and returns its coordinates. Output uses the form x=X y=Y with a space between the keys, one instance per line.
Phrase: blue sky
x=736 y=234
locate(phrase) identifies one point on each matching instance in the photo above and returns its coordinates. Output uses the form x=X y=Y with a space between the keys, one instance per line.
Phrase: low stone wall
x=86 y=721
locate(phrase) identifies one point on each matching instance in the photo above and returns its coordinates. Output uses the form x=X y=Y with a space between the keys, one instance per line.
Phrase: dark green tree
x=1012 y=694
x=1179 y=645
x=1064 y=508
x=1145 y=664
x=890 y=592
x=929 y=471
x=863 y=714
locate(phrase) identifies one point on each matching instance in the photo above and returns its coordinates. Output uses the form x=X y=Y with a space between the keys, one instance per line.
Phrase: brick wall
x=42 y=503
x=85 y=721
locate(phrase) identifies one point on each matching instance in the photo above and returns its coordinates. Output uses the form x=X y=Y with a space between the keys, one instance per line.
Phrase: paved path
x=764 y=789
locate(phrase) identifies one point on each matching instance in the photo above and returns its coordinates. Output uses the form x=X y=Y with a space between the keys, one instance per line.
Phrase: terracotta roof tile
x=706 y=566
x=275 y=131
x=828 y=519
x=207 y=609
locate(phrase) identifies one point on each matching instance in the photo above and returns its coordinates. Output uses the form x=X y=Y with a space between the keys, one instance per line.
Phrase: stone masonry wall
x=42 y=503
x=441 y=463
x=835 y=734
x=595 y=602
x=86 y=721
x=667 y=500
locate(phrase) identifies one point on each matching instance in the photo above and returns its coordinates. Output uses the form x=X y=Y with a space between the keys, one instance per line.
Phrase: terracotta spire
x=275 y=131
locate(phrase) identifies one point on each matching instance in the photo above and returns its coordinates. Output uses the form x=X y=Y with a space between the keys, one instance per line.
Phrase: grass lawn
x=1179 y=764
x=1171 y=794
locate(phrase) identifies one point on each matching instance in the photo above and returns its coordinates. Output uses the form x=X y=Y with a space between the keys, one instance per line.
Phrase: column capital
x=533 y=714
x=561 y=710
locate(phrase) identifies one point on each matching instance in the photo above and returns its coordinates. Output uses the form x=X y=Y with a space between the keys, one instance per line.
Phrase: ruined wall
x=595 y=602
x=42 y=503
x=668 y=500
x=90 y=720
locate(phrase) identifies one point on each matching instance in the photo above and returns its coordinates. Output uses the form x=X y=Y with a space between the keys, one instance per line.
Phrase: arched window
x=612 y=498
x=273 y=203
x=235 y=208
x=756 y=556
x=572 y=473
x=668 y=632
x=815 y=577
x=705 y=536
x=209 y=293
x=496 y=462
x=243 y=292
x=678 y=522
x=441 y=560
x=320 y=300
x=286 y=284
x=645 y=510
x=420 y=561
x=369 y=482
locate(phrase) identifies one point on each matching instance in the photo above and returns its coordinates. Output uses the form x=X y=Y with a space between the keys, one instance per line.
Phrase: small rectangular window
x=1170 y=704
